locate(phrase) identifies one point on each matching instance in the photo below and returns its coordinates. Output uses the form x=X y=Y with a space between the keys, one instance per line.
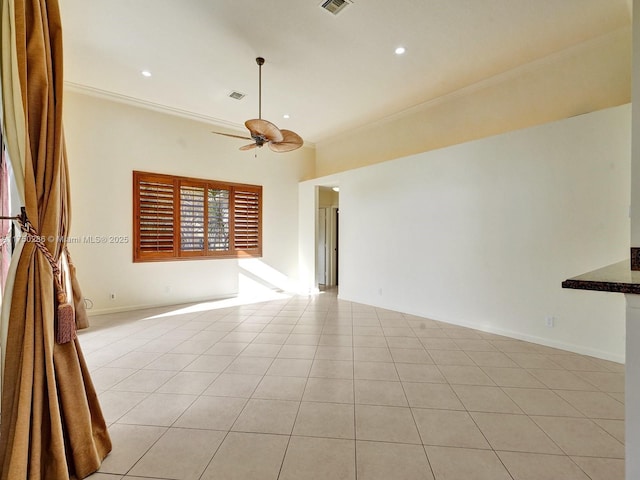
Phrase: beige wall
x=585 y=78
x=106 y=141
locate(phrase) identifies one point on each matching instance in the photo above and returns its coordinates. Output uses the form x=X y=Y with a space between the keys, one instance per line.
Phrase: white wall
x=106 y=141
x=483 y=233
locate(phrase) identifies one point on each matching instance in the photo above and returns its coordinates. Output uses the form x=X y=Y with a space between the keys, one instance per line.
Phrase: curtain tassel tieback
x=65 y=327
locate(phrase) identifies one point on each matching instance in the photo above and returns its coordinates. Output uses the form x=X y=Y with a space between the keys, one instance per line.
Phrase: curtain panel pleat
x=52 y=427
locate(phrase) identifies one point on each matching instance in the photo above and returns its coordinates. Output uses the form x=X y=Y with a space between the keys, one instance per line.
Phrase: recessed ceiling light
x=336 y=189
x=286 y=115
x=400 y=50
x=146 y=73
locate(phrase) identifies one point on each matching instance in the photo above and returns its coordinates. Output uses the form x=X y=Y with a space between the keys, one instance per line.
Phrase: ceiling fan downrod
x=260 y=62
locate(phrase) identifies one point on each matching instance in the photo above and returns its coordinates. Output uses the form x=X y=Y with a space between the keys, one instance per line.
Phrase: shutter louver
x=156 y=217
x=246 y=216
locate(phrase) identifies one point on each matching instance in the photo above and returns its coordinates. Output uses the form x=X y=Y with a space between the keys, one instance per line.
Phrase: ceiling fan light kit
x=263 y=131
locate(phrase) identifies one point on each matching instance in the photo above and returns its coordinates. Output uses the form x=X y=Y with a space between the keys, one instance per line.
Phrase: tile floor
x=318 y=388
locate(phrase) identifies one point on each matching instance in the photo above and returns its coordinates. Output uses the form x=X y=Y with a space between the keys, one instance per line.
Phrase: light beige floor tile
x=465 y=375
x=336 y=340
x=298 y=351
x=261 y=350
x=271 y=338
x=267 y=416
x=130 y=443
x=602 y=468
x=172 y=361
x=462 y=463
x=105 y=377
x=325 y=352
x=245 y=337
x=415 y=372
x=474 y=345
x=448 y=428
x=398 y=331
x=233 y=385
x=454 y=331
x=109 y=476
x=379 y=392
x=512 y=377
x=325 y=420
x=116 y=404
x=436 y=334
x=409 y=342
x=431 y=395
x=561 y=380
x=375 y=371
x=247 y=456
x=290 y=367
x=372 y=354
x=514 y=346
x=160 y=409
x=336 y=390
x=280 y=388
x=369 y=341
x=491 y=359
x=618 y=396
x=332 y=369
x=277 y=328
x=189 y=383
x=385 y=424
x=615 y=428
x=580 y=437
x=385 y=461
x=410 y=355
x=515 y=433
x=485 y=399
x=209 y=363
x=534 y=360
x=181 y=454
x=134 y=360
x=605 y=381
x=538 y=401
x=144 y=381
x=594 y=404
x=303 y=339
x=578 y=363
x=249 y=365
x=319 y=459
x=530 y=466
x=450 y=357
x=213 y=413
x=222 y=348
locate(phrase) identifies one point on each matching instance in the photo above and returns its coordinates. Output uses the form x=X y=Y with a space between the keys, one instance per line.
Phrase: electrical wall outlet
x=550 y=321
x=112 y=296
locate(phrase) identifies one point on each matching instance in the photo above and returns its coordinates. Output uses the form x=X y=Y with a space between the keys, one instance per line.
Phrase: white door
x=321 y=247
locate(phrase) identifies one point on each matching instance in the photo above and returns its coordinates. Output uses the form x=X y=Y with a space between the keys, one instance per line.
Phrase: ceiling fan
x=263 y=131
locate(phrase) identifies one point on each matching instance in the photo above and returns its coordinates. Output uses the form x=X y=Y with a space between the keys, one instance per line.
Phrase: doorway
x=327 y=237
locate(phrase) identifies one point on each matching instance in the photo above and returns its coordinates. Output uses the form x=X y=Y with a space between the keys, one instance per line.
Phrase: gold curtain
x=52 y=426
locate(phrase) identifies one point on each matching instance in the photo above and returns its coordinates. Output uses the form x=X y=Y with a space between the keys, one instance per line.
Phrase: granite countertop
x=617 y=277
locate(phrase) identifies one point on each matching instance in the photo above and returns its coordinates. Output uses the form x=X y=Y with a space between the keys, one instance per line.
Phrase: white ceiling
x=329 y=73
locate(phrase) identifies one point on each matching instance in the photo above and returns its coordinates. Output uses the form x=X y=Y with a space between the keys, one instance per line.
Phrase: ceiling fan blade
x=291 y=141
x=232 y=136
x=249 y=147
x=264 y=129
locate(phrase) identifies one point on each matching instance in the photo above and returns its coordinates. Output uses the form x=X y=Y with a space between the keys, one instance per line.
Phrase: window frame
x=174 y=252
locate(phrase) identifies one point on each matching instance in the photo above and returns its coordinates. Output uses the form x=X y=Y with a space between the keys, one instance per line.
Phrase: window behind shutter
x=155 y=217
x=218 y=200
x=246 y=219
x=192 y=219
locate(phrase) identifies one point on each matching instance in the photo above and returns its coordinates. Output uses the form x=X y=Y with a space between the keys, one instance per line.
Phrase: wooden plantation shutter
x=154 y=217
x=178 y=218
x=246 y=218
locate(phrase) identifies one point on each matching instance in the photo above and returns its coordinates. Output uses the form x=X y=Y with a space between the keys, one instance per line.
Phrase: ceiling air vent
x=237 y=95
x=334 y=6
